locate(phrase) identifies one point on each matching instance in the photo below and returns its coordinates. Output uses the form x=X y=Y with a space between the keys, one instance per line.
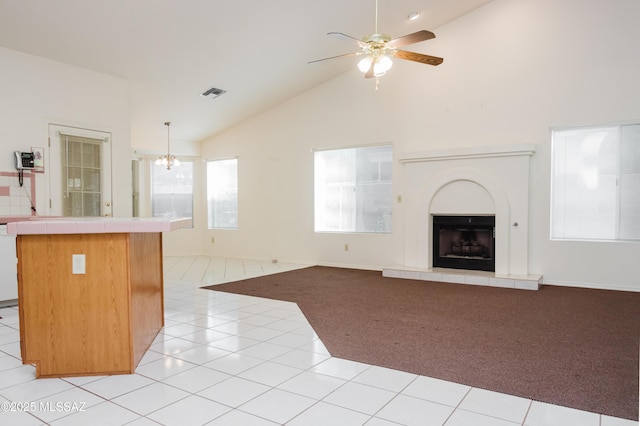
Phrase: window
x=353 y=189
x=172 y=190
x=595 y=183
x=222 y=194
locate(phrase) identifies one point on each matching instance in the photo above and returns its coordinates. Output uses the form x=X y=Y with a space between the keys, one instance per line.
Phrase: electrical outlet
x=213 y=240
x=78 y=264
x=346 y=247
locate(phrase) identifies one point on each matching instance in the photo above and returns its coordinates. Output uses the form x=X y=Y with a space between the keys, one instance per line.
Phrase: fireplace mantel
x=488 y=180
x=470 y=152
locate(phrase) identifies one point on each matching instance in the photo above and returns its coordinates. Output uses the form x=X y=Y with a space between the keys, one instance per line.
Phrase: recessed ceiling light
x=413 y=16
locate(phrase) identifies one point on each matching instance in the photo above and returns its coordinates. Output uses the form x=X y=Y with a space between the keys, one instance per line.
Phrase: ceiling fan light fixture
x=377 y=50
x=382 y=64
x=365 y=64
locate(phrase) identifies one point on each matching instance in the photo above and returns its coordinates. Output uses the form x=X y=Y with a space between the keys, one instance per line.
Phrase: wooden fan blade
x=418 y=57
x=334 y=57
x=410 y=39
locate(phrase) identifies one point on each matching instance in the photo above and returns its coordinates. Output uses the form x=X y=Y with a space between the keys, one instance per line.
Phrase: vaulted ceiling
x=171 y=51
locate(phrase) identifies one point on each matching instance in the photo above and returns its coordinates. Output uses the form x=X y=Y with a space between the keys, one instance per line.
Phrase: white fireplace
x=492 y=180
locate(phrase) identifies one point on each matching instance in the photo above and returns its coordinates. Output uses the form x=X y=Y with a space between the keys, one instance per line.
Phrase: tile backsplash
x=16 y=200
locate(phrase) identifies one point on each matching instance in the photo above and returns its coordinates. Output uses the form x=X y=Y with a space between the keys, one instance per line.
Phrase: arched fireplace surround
x=472 y=181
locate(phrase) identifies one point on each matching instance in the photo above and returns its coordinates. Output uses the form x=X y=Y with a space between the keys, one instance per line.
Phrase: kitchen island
x=90 y=292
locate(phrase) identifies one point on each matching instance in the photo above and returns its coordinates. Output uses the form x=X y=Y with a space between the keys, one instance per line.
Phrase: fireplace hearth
x=464 y=242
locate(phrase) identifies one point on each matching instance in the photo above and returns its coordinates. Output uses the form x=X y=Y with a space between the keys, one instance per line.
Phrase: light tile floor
x=226 y=359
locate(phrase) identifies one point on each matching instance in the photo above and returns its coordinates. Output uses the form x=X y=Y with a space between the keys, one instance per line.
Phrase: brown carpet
x=568 y=346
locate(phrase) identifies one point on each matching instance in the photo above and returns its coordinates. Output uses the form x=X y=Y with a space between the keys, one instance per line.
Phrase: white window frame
x=354 y=220
x=589 y=172
x=174 y=170
x=228 y=192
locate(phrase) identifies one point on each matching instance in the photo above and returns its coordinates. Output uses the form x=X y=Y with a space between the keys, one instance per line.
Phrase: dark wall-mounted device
x=24 y=160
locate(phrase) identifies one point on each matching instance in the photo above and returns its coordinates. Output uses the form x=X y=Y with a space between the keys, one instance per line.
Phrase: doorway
x=80 y=172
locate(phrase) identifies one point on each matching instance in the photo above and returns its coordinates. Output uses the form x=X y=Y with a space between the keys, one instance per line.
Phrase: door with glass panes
x=79 y=169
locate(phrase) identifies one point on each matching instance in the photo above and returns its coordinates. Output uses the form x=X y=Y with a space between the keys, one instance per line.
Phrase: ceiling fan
x=378 y=49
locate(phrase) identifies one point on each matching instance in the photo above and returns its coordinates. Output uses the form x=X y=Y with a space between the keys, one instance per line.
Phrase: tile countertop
x=95 y=225
x=8 y=219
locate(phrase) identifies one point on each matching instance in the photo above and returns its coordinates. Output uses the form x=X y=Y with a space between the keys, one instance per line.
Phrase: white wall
x=512 y=70
x=35 y=92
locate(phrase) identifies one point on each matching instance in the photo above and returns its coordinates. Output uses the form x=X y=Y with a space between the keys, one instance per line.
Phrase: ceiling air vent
x=213 y=93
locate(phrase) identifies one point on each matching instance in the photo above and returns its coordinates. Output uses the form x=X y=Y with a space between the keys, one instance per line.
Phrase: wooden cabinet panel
x=146 y=291
x=100 y=322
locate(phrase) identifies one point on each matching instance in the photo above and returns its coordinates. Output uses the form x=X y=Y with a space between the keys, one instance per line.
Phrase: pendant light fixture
x=168 y=160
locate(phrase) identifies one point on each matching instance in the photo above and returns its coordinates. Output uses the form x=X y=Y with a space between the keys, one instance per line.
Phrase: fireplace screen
x=464 y=242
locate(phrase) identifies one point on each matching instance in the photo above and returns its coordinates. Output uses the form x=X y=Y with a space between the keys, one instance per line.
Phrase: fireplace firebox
x=464 y=242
